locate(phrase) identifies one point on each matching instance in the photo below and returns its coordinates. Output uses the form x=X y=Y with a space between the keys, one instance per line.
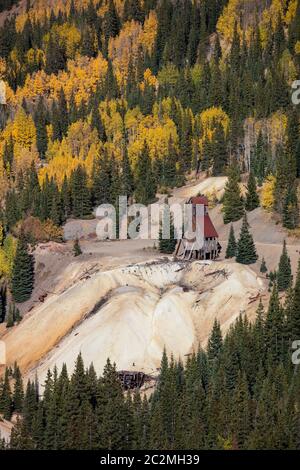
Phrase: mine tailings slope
x=130 y=314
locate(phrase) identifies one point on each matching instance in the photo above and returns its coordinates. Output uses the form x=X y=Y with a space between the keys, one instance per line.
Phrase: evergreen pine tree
x=101 y=180
x=127 y=181
x=22 y=281
x=233 y=207
x=111 y=23
x=215 y=342
x=145 y=189
x=3 y=299
x=231 y=246
x=5 y=397
x=290 y=213
x=263 y=266
x=18 y=393
x=246 y=251
x=167 y=245
x=295 y=309
x=41 y=131
x=96 y=123
x=252 y=198
x=81 y=202
x=8 y=155
x=284 y=273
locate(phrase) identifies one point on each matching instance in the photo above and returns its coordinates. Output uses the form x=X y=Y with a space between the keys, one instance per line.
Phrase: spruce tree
x=3 y=300
x=101 y=180
x=80 y=192
x=246 y=251
x=111 y=23
x=252 y=198
x=231 y=246
x=63 y=113
x=145 y=188
x=18 y=392
x=6 y=397
x=215 y=342
x=8 y=155
x=263 y=266
x=96 y=123
x=41 y=131
x=220 y=156
x=133 y=11
x=22 y=281
x=290 y=213
x=126 y=177
x=55 y=55
x=167 y=245
x=295 y=309
x=284 y=273
x=274 y=328
x=233 y=206
x=65 y=196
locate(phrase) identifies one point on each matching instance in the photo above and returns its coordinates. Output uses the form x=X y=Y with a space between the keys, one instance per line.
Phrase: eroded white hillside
x=129 y=314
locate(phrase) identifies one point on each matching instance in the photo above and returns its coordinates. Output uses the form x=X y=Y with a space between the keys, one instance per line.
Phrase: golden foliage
x=42 y=8
x=7 y=256
x=156 y=133
x=267 y=193
x=3 y=181
x=288 y=67
x=80 y=146
x=211 y=117
x=23 y=129
x=58 y=167
x=148 y=35
x=123 y=47
x=228 y=19
x=81 y=78
x=149 y=80
x=291 y=13
x=126 y=45
x=278 y=8
x=69 y=37
x=2 y=67
x=274 y=128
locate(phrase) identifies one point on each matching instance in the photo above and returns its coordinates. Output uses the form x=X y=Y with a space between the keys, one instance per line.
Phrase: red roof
x=209 y=229
x=199 y=200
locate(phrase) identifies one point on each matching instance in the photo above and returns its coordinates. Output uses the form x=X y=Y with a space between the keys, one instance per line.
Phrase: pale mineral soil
x=123 y=300
x=130 y=314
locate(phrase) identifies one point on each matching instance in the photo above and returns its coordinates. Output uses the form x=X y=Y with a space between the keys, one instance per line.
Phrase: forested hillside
x=92 y=86
x=110 y=97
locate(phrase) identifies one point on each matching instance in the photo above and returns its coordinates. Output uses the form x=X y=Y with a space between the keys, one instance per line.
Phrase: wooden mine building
x=189 y=249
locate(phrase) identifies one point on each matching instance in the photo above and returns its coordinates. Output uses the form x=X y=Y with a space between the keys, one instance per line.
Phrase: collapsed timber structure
x=210 y=248
x=132 y=379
